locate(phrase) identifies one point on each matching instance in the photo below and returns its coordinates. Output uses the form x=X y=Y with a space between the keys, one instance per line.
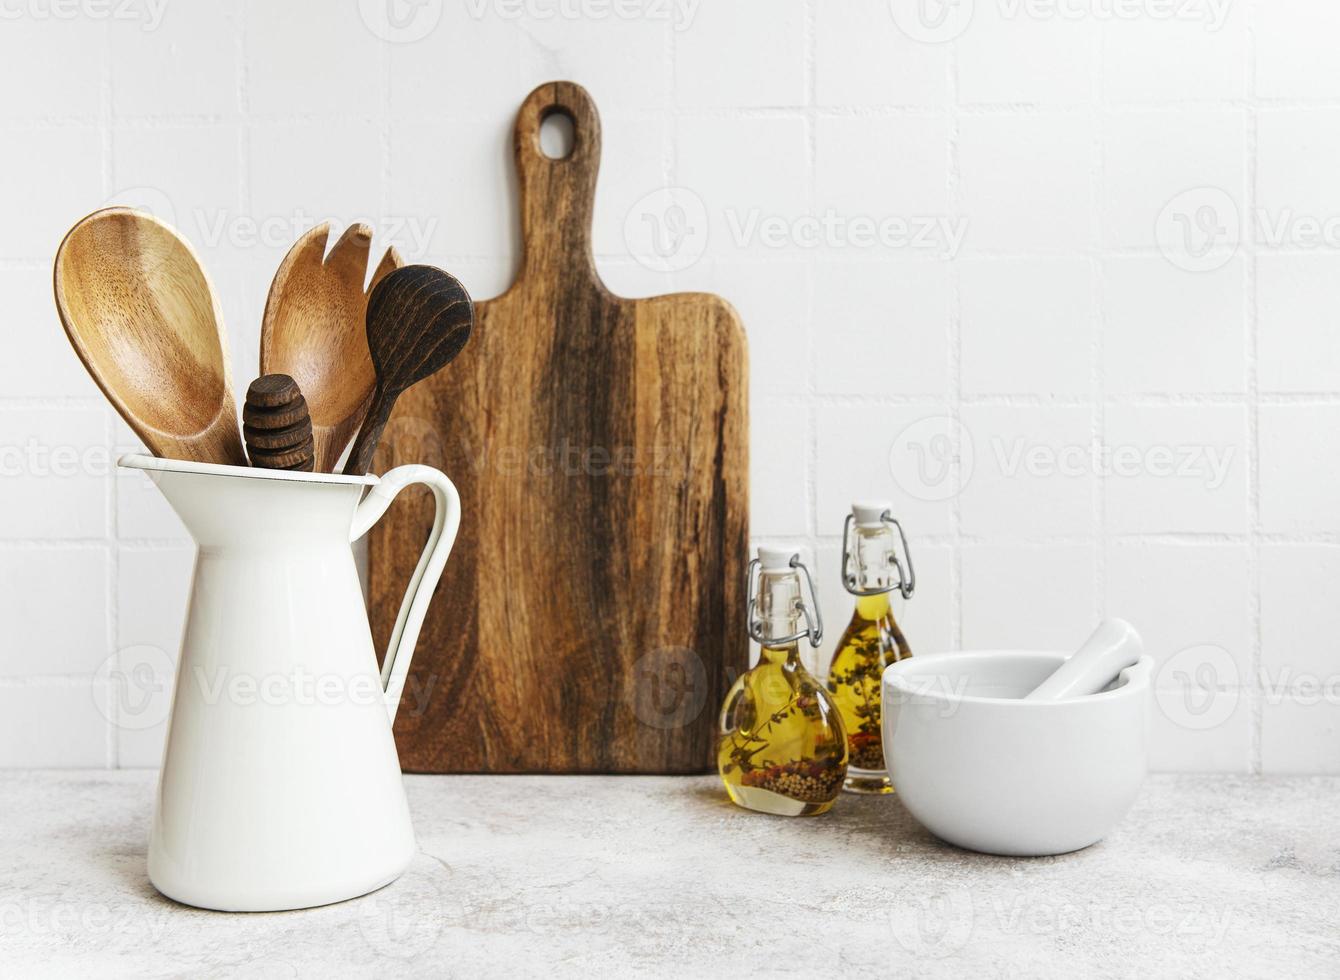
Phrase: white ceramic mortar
x=982 y=769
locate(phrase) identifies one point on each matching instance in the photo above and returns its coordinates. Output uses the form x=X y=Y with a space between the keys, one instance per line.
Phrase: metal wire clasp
x=814 y=623
x=905 y=584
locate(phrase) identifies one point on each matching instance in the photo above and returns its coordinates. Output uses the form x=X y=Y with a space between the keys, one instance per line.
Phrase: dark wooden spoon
x=419 y=318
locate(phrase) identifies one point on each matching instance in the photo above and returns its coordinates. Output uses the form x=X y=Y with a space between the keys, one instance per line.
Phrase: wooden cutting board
x=591 y=617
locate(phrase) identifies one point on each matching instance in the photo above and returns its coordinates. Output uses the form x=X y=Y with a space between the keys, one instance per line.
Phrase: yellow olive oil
x=782 y=747
x=870 y=643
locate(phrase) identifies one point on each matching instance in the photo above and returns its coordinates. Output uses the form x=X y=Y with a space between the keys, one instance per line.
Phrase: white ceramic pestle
x=1114 y=646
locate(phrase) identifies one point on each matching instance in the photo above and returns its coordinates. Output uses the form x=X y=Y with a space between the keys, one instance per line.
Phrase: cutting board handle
x=557 y=195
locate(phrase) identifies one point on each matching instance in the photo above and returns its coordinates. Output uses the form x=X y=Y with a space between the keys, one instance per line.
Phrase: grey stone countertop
x=594 y=876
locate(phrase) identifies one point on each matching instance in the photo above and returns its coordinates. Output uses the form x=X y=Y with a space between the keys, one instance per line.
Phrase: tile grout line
x=668 y=126
x=243 y=110
x=815 y=655
x=384 y=59
x=18 y=403
x=1098 y=353
x=953 y=186
x=810 y=84
x=1254 y=688
x=873 y=259
x=1313 y=539
x=111 y=615
x=139 y=120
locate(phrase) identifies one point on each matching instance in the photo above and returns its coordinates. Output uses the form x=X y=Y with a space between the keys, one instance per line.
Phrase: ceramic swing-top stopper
x=276 y=424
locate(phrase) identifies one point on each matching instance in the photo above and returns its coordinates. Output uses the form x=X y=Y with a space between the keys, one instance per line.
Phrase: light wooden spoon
x=314 y=331
x=143 y=317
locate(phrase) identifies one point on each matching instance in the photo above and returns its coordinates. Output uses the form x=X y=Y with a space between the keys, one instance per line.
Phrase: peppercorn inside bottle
x=782 y=748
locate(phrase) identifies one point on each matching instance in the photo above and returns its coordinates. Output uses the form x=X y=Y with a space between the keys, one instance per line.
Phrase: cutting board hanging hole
x=557 y=135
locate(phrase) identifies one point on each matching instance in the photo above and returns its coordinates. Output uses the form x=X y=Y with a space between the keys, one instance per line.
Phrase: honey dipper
x=276 y=425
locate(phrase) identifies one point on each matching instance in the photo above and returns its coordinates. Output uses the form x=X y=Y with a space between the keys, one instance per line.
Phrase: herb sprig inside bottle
x=872 y=572
x=782 y=747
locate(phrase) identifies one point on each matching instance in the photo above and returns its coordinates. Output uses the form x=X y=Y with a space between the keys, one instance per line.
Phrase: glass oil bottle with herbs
x=782 y=749
x=872 y=572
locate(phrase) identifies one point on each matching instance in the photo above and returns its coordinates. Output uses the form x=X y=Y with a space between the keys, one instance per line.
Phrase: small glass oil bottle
x=782 y=747
x=872 y=572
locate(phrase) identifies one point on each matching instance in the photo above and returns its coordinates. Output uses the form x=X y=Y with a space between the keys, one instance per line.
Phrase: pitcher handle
x=413 y=608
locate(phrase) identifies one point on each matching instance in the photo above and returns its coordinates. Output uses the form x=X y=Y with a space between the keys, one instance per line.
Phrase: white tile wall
x=1293 y=49
x=1019 y=271
x=1020 y=596
x=1003 y=58
x=1150 y=156
x=1027 y=180
x=1298 y=310
x=1204 y=58
x=1013 y=308
x=1030 y=476
x=1198 y=327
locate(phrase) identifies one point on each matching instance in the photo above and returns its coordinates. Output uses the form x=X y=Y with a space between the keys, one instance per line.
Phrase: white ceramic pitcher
x=280 y=786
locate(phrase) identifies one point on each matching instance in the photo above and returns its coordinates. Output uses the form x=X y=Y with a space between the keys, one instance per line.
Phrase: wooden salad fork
x=314 y=331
